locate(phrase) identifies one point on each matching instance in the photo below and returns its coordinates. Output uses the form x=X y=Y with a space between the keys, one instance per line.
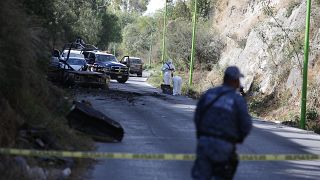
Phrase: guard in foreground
x=222 y=121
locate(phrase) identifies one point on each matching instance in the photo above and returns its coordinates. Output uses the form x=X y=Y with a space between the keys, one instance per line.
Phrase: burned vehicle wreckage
x=70 y=68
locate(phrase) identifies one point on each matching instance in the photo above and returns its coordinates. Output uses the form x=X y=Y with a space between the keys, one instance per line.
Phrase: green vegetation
x=205 y=8
x=66 y=20
x=143 y=37
x=29 y=29
x=194 y=92
x=27 y=98
x=110 y=31
x=139 y=36
x=155 y=78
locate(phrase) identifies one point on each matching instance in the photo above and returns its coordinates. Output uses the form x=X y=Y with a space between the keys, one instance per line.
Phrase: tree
x=139 y=6
x=179 y=42
x=205 y=7
x=66 y=20
x=129 y=6
x=180 y=10
x=110 y=31
x=208 y=45
x=138 y=36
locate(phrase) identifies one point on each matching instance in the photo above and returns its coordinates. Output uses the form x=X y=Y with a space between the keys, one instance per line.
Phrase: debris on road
x=94 y=123
x=166 y=89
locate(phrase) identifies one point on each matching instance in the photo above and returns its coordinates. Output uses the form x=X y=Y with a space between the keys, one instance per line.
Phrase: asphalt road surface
x=157 y=123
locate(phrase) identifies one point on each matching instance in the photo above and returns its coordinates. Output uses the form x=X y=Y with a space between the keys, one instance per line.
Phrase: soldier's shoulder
x=215 y=89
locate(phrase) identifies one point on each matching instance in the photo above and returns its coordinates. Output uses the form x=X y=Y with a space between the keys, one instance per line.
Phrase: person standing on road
x=222 y=121
x=167 y=71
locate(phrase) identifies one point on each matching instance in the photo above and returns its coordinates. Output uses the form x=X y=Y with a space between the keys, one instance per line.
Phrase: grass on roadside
x=202 y=80
x=155 y=78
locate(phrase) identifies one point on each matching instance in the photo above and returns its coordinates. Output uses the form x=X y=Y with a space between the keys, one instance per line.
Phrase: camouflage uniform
x=225 y=123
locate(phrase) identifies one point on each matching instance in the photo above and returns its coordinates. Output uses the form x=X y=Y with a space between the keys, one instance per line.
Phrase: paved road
x=163 y=124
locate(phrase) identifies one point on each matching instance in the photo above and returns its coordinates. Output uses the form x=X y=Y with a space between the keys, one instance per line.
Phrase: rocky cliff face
x=265 y=39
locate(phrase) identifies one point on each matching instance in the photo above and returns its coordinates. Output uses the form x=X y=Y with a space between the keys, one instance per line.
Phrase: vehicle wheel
x=139 y=74
x=123 y=80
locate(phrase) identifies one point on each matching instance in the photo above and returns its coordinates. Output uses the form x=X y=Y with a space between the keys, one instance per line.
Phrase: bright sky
x=154 y=5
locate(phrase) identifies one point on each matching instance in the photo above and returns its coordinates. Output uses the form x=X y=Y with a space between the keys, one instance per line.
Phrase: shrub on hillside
x=208 y=44
x=26 y=97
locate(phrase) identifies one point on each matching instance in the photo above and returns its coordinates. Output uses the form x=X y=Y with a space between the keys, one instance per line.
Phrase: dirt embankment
x=266 y=39
x=31 y=110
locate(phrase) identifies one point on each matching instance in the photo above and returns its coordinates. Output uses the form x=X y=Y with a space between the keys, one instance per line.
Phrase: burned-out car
x=72 y=71
x=77 y=63
x=107 y=63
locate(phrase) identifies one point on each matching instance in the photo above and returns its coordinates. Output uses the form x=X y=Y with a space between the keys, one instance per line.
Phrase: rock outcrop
x=265 y=39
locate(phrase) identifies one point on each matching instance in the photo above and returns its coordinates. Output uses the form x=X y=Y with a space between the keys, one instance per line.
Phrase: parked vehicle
x=71 y=71
x=134 y=64
x=77 y=63
x=73 y=53
x=71 y=49
x=107 y=63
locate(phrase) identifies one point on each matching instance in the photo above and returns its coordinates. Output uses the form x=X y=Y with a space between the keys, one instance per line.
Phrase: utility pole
x=164 y=31
x=194 y=22
x=150 y=55
x=150 y=50
x=305 y=69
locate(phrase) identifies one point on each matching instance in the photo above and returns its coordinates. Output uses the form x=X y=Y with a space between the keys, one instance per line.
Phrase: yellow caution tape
x=172 y=157
x=278 y=157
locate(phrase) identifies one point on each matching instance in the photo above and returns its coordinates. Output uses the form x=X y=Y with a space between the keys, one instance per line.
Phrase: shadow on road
x=264 y=139
x=164 y=124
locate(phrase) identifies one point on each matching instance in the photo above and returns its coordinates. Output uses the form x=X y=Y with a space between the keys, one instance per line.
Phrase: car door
x=124 y=60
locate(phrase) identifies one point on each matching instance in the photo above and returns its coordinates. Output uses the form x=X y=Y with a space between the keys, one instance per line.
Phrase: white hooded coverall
x=167 y=70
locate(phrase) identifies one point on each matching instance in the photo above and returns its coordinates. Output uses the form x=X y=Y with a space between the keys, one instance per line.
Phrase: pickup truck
x=66 y=69
x=134 y=64
x=107 y=63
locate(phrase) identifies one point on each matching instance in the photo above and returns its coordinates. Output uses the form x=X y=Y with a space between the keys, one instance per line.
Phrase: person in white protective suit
x=167 y=71
x=177 y=85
